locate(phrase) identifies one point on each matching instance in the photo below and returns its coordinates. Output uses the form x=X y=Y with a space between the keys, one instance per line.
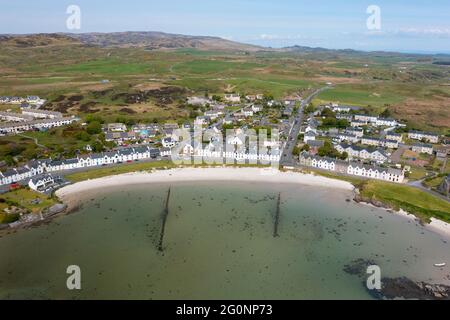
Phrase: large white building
x=376 y=155
x=36 y=168
x=418 y=135
x=11 y=128
x=352 y=168
x=42 y=114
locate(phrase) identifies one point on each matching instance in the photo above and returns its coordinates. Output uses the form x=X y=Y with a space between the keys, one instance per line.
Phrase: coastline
x=227 y=174
x=204 y=174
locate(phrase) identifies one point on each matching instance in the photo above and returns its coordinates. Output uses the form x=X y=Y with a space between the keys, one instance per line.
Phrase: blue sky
x=406 y=25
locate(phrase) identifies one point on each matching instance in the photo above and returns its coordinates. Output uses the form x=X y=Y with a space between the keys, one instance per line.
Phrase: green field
x=24 y=197
x=362 y=95
x=412 y=200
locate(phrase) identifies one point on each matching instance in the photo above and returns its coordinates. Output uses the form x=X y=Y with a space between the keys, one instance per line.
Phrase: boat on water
x=439 y=265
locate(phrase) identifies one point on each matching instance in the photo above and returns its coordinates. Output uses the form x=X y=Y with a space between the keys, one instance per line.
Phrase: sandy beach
x=204 y=174
x=223 y=174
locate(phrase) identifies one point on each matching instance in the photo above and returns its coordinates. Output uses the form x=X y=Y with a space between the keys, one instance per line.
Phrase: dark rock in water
x=408 y=289
x=358 y=267
x=4 y=226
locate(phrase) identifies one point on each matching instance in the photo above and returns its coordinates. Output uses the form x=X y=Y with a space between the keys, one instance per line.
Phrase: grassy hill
x=61 y=66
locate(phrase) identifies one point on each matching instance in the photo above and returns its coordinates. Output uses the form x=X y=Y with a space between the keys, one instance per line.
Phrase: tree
x=94 y=118
x=309 y=109
x=328 y=150
x=344 y=156
x=83 y=136
x=306 y=148
x=328 y=113
x=386 y=113
x=97 y=146
x=94 y=127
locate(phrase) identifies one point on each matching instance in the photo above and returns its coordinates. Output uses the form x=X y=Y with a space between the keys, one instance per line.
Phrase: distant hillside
x=160 y=40
x=333 y=53
x=36 y=40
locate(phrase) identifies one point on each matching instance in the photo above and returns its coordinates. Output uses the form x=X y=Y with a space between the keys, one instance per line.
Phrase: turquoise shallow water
x=218 y=244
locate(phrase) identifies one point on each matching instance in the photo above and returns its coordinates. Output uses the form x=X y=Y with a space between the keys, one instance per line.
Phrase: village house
x=41 y=183
x=41 y=167
x=145 y=131
x=380 y=122
x=16 y=100
x=198 y=101
x=115 y=127
x=344 y=116
x=377 y=142
x=12 y=128
x=358 y=123
x=442 y=152
x=201 y=121
x=358 y=132
x=351 y=168
x=168 y=142
x=232 y=97
x=15 y=117
x=248 y=112
x=342 y=137
x=340 y=108
x=257 y=108
x=310 y=135
x=418 y=135
x=213 y=114
x=120 y=137
x=394 y=136
x=366 y=118
x=228 y=120
x=42 y=114
x=377 y=155
x=422 y=148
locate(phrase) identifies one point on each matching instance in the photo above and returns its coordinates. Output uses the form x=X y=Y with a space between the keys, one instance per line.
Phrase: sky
x=420 y=26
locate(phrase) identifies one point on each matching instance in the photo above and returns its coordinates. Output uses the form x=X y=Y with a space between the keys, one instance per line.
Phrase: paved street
x=287 y=158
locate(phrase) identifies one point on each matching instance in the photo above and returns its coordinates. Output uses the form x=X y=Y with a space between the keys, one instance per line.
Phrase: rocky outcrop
x=396 y=288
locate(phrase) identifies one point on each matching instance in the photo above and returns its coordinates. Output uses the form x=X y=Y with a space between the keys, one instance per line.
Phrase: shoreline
x=266 y=175
x=204 y=175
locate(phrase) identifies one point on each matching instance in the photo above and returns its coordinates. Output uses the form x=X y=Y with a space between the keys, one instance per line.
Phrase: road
x=287 y=159
x=418 y=185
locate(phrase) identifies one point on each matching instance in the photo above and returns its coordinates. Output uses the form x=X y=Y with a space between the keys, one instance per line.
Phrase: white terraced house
x=357 y=152
x=382 y=122
x=376 y=142
x=12 y=128
x=347 y=137
x=232 y=97
x=352 y=168
x=212 y=114
x=32 y=99
x=423 y=148
x=42 y=114
x=41 y=183
x=366 y=118
x=257 y=108
x=358 y=123
x=418 y=135
x=394 y=136
x=16 y=100
x=386 y=174
x=358 y=132
x=15 y=117
x=40 y=167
